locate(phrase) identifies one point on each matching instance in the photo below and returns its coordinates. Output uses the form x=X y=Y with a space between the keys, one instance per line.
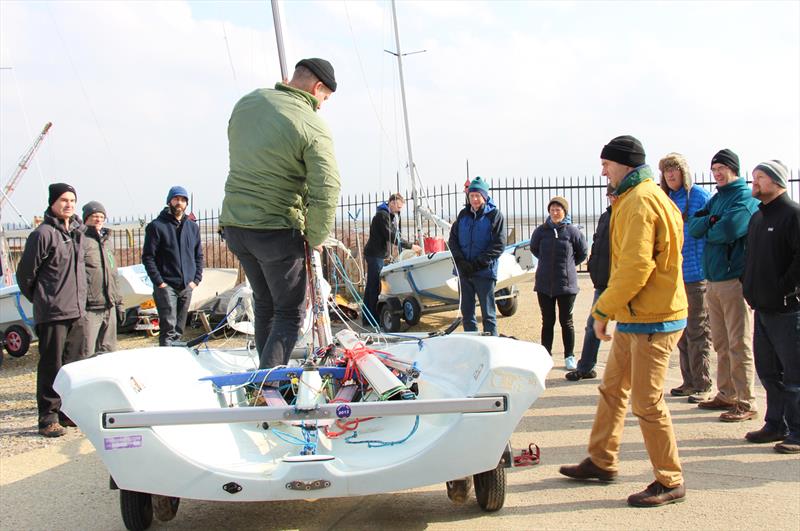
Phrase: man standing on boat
x=477 y=239
x=51 y=275
x=645 y=296
x=280 y=195
x=384 y=231
x=103 y=301
x=172 y=254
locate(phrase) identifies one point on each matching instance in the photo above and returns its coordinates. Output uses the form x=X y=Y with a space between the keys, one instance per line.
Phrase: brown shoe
x=66 y=422
x=787 y=447
x=715 y=403
x=52 y=430
x=738 y=413
x=683 y=390
x=656 y=495
x=587 y=470
x=765 y=435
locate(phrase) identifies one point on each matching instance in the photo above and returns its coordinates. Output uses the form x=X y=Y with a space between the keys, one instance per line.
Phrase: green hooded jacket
x=283 y=172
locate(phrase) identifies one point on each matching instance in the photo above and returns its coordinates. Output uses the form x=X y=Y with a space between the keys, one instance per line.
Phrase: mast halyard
x=411 y=167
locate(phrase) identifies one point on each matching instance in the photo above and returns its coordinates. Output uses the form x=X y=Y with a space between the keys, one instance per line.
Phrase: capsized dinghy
x=356 y=420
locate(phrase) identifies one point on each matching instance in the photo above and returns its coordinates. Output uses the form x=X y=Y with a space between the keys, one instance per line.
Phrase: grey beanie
x=776 y=170
x=92 y=207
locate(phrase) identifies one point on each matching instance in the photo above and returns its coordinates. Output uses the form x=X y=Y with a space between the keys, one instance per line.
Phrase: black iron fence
x=522 y=201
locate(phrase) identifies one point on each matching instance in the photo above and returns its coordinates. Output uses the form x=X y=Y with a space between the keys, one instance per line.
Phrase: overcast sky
x=140 y=92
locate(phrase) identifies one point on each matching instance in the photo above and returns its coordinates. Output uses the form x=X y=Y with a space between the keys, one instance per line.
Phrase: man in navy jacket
x=477 y=240
x=173 y=257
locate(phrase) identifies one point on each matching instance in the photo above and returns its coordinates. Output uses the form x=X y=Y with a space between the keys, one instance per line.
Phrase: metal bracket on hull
x=140 y=419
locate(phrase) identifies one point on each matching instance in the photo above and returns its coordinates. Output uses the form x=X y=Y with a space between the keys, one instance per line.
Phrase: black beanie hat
x=92 y=207
x=322 y=69
x=56 y=190
x=625 y=150
x=728 y=158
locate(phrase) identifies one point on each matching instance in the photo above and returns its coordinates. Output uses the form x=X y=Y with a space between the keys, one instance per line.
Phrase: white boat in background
x=16 y=321
x=136 y=288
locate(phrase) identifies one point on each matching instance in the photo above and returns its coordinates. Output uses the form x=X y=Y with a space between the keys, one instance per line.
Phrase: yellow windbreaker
x=646 y=282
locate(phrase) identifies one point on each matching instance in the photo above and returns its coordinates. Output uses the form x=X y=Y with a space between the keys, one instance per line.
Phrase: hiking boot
x=738 y=413
x=656 y=495
x=574 y=376
x=787 y=447
x=570 y=363
x=52 y=430
x=715 y=403
x=765 y=435
x=586 y=470
x=683 y=390
x=698 y=396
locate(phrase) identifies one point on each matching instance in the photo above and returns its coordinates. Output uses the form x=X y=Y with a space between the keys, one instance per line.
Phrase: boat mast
x=276 y=20
x=411 y=167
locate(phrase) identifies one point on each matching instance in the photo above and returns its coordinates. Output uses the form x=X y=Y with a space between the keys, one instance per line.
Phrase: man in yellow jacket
x=645 y=295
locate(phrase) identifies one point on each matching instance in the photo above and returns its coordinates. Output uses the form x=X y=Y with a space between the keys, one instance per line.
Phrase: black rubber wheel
x=136 y=508
x=490 y=489
x=17 y=340
x=412 y=311
x=390 y=316
x=165 y=507
x=1 y=355
x=507 y=307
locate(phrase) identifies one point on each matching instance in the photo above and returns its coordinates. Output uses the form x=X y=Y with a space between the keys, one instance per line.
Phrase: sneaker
x=586 y=470
x=738 y=413
x=787 y=447
x=574 y=376
x=765 y=435
x=656 y=495
x=683 y=390
x=570 y=363
x=715 y=403
x=52 y=430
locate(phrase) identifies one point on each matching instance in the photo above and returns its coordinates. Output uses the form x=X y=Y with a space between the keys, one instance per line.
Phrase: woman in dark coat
x=559 y=247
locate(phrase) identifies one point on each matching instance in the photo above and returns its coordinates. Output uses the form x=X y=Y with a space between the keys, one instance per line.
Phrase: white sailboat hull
x=136 y=288
x=198 y=460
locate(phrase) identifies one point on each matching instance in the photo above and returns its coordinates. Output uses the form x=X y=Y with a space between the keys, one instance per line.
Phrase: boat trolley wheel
x=17 y=340
x=490 y=489
x=507 y=307
x=390 y=315
x=412 y=311
x=165 y=507
x=136 y=508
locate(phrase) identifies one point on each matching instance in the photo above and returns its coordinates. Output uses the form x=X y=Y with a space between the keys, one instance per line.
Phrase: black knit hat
x=56 y=190
x=728 y=158
x=322 y=69
x=625 y=150
x=93 y=207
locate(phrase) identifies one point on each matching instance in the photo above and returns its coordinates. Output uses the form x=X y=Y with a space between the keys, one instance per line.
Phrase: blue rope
x=25 y=318
x=380 y=444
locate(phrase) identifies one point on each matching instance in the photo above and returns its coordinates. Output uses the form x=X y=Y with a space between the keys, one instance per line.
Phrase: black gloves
x=701 y=213
x=120 y=314
x=464 y=268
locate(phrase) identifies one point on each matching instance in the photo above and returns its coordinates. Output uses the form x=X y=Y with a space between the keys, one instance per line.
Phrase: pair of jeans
x=637 y=366
x=173 y=309
x=60 y=342
x=776 y=343
x=484 y=289
x=372 y=290
x=275 y=264
x=694 y=345
x=591 y=345
x=548 y=306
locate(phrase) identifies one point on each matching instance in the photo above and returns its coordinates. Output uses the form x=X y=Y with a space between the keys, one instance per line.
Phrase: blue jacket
x=559 y=249
x=479 y=237
x=168 y=259
x=731 y=207
x=692 y=247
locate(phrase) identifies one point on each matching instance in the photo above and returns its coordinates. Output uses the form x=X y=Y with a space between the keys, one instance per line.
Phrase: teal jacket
x=731 y=207
x=283 y=172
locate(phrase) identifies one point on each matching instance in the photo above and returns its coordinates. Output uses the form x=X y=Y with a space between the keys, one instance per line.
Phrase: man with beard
x=173 y=257
x=51 y=275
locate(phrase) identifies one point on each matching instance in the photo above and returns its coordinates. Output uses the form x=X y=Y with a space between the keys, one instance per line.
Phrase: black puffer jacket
x=771 y=281
x=559 y=249
x=51 y=271
x=599 y=263
x=101 y=271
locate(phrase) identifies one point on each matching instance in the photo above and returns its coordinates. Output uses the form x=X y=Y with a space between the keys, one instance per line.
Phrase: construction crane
x=23 y=164
x=5 y=265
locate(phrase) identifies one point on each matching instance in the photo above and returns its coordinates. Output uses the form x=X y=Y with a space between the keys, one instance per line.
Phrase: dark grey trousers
x=100 y=331
x=694 y=345
x=275 y=264
x=173 y=309
x=60 y=342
